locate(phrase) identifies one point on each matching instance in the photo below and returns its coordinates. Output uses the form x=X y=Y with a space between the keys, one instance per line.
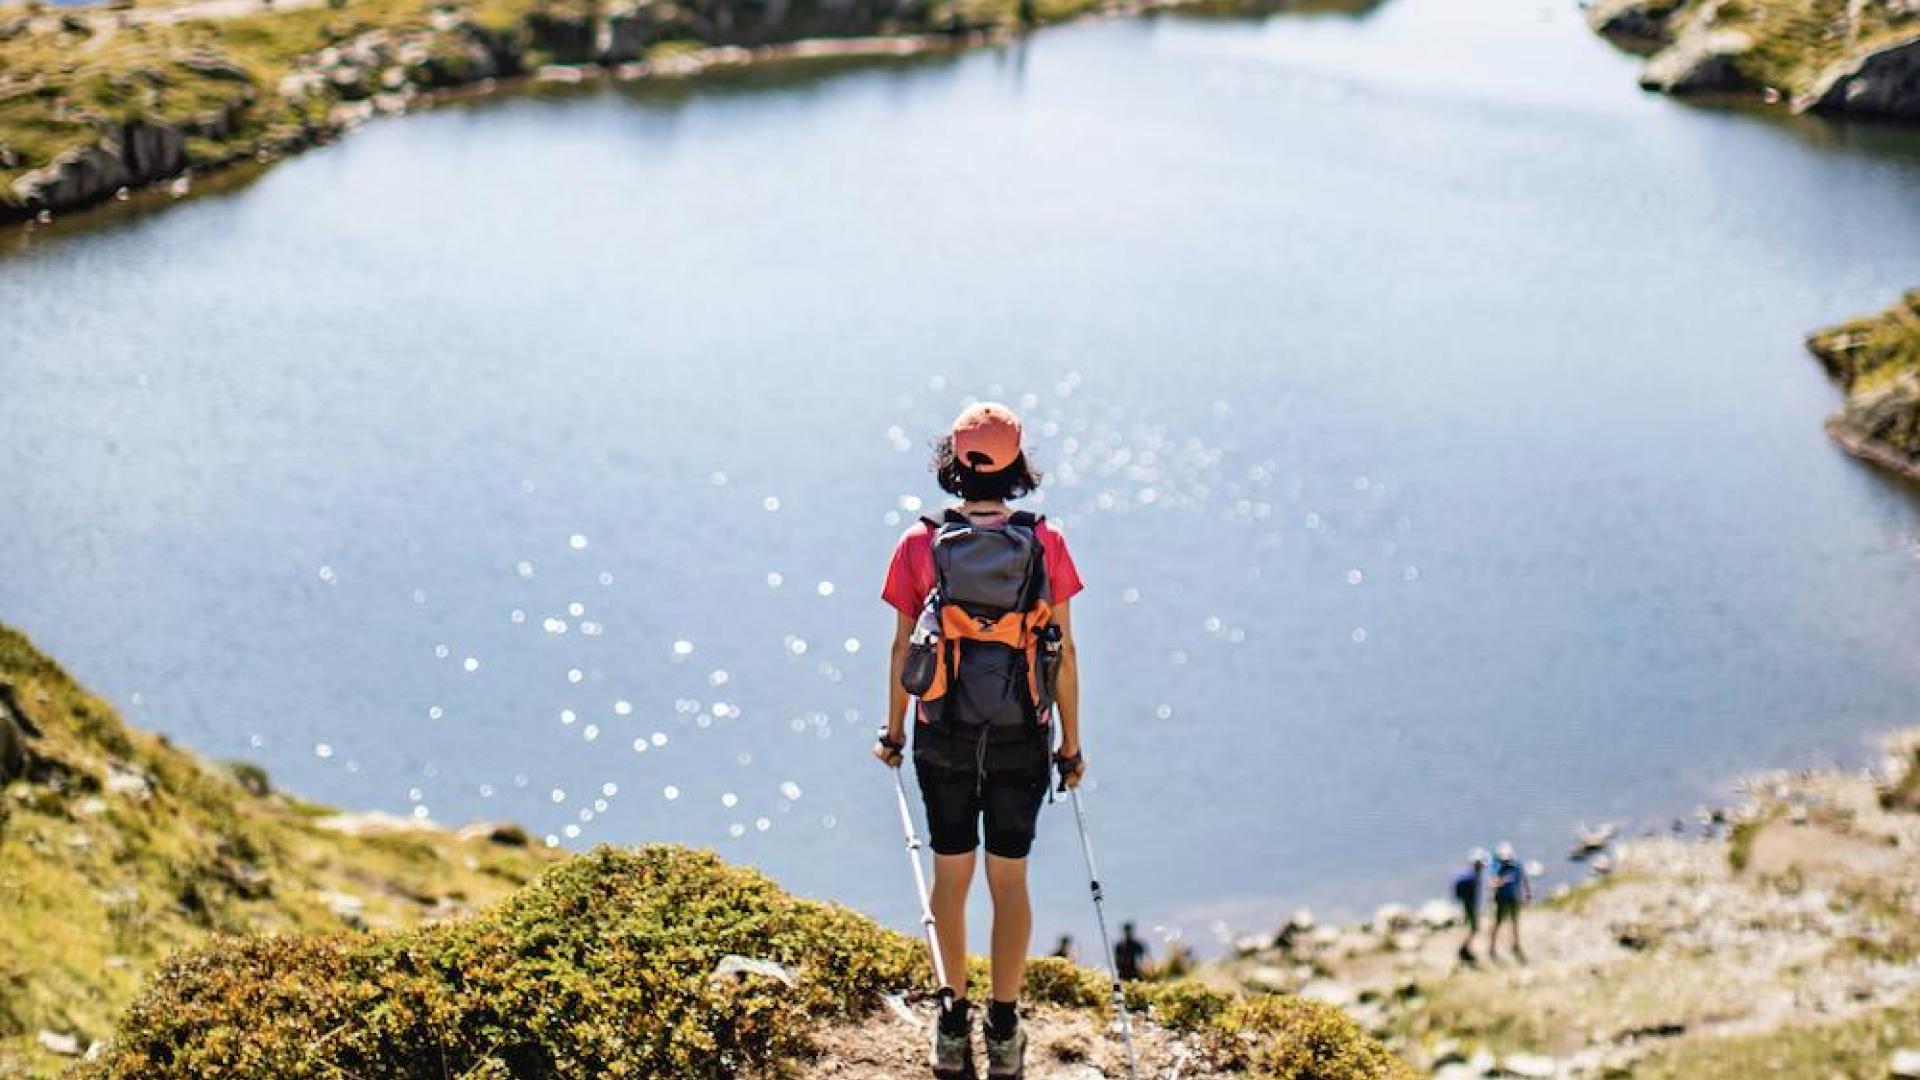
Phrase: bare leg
x=952 y=876
x=1012 y=924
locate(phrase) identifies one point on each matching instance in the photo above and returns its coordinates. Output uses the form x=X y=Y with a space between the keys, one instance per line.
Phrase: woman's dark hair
x=956 y=479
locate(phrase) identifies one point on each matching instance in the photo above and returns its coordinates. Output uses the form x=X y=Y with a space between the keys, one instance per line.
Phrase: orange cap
x=986 y=437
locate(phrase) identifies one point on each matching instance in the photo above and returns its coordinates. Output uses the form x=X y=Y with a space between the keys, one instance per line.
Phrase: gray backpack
x=985 y=652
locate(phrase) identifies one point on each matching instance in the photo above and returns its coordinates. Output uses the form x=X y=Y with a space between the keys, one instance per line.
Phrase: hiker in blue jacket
x=1511 y=888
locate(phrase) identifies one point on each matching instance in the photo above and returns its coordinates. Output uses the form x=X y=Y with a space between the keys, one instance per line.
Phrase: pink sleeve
x=910 y=574
x=1063 y=578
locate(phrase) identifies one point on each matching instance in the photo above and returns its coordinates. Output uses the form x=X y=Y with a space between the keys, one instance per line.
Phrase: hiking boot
x=952 y=1055
x=1007 y=1058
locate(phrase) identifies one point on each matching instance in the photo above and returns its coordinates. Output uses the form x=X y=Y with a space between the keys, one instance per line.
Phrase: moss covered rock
x=1831 y=56
x=1877 y=360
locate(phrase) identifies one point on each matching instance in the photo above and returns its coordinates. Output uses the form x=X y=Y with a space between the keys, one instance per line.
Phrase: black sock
x=953 y=1016
x=1002 y=1018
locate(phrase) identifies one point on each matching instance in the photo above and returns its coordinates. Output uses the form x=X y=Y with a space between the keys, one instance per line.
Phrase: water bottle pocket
x=923 y=664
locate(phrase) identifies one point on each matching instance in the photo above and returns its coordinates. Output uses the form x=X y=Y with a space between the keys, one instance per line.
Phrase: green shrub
x=1306 y=1040
x=602 y=967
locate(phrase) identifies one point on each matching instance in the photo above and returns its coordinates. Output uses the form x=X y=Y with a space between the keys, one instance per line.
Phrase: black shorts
x=1505 y=910
x=963 y=779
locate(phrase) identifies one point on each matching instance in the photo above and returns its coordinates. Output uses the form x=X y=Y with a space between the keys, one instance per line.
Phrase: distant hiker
x=1063 y=949
x=983 y=640
x=1129 y=957
x=1466 y=889
x=1511 y=888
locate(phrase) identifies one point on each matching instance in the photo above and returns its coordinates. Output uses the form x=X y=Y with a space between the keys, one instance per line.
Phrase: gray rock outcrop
x=1883 y=81
x=1641 y=26
x=1705 y=63
x=136 y=153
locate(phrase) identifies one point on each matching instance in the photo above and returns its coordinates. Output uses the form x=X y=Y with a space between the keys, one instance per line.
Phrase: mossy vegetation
x=611 y=964
x=1876 y=359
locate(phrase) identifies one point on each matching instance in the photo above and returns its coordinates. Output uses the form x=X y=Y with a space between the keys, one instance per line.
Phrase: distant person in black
x=1129 y=954
x=1064 y=950
x=1466 y=889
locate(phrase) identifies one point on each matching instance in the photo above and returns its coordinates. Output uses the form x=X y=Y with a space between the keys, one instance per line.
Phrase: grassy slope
x=1877 y=360
x=99 y=881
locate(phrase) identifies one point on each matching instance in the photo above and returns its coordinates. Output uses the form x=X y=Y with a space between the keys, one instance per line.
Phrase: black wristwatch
x=895 y=745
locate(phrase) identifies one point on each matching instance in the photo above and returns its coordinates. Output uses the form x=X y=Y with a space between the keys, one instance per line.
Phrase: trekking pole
x=920 y=886
x=1106 y=942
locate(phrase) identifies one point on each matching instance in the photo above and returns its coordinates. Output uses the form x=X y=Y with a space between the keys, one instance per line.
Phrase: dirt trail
x=1064 y=1044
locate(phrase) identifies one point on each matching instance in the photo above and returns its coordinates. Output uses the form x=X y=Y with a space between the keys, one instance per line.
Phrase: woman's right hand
x=1071 y=766
x=888 y=747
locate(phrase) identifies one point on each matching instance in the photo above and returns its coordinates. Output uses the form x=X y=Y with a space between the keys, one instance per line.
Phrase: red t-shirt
x=910 y=575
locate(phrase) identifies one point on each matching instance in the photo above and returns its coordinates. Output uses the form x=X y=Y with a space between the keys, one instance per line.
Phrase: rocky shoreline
x=181 y=89
x=1776 y=937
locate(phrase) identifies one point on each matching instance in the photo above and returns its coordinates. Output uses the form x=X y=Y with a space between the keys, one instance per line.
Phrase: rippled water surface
x=1426 y=407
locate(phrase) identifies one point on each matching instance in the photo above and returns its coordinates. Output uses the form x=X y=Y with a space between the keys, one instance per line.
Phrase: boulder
x=1438 y=914
x=625 y=32
x=15 y=729
x=152 y=151
x=504 y=833
x=212 y=64
x=568 y=38
x=61 y=1043
x=1528 y=1066
x=1905 y=1065
x=1392 y=917
x=1705 y=63
x=80 y=176
x=1883 y=81
x=1642 y=26
x=1882 y=423
x=252 y=778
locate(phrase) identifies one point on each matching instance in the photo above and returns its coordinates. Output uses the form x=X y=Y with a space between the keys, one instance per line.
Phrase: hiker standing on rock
x=1511 y=888
x=1466 y=889
x=984 y=642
